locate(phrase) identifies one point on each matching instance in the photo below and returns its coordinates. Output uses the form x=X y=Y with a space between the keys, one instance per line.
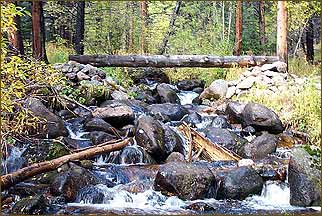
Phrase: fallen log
x=163 y=61
x=46 y=166
x=206 y=149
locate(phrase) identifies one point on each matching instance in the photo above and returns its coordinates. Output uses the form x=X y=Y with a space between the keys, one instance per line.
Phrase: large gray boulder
x=217 y=89
x=187 y=181
x=167 y=111
x=54 y=125
x=304 y=179
x=167 y=94
x=189 y=85
x=261 y=118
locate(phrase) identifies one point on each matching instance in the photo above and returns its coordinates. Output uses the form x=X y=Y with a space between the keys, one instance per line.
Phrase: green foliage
x=301 y=67
x=58 y=52
x=120 y=75
x=56 y=150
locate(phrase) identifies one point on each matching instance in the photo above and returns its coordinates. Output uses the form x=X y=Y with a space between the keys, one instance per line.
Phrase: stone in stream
x=156 y=138
x=186 y=181
x=115 y=114
x=192 y=119
x=175 y=157
x=259 y=147
x=99 y=137
x=137 y=106
x=220 y=122
x=261 y=118
x=145 y=96
x=167 y=94
x=234 y=112
x=133 y=155
x=238 y=183
x=54 y=126
x=97 y=124
x=167 y=111
x=189 y=85
x=304 y=179
x=217 y=89
x=32 y=205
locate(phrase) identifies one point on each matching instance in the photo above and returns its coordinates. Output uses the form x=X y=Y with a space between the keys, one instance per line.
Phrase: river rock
x=217 y=89
x=247 y=83
x=54 y=126
x=138 y=107
x=167 y=111
x=33 y=205
x=175 y=157
x=234 y=112
x=145 y=96
x=231 y=91
x=134 y=155
x=220 y=122
x=260 y=147
x=99 y=137
x=115 y=114
x=156 y=138
x=192 y=119
x=187 y=181
x=304 y=179
x=261 y=118
x=238 y=183
x=82 y=76
x=119 y=95
x=167 y=94
x=145 y=75
x=81 y=112
x=71 y=181
x=98 y=124
x=189 y=85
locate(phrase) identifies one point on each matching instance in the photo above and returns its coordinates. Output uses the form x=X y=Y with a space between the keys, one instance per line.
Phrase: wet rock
x=249 y=130
x=238 y=183
x=304 y=179
x=119 y=95
x=158 y=139
x=81 y=112
x=167 y=94
x=198 y=90
x=99 y=137
x=220 y=122
x=175 y=157
x=189 y=85
x=54 y=126
x=82 y=76
x=197 y=101
x=187 y=181
x=261 y=118
x=217 y=89
x=115 y=114
x=98 y=124
x=77 y=143
x=192 y=119
x=90 y=194
x=260 y=147
x=65 y=114
x=137 y=106
x=234 y=112
x=71 y=181
x=30 y=205
x=146 y=97
x=143 y=75
x=137 y=186
x=201 y=206
x=134 y=155
x=167 y=111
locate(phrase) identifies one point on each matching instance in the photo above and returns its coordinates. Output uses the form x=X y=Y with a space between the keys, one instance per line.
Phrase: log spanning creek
x=159 y=180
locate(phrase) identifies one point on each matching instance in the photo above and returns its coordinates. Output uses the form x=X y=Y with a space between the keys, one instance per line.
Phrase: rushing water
x=186 y=97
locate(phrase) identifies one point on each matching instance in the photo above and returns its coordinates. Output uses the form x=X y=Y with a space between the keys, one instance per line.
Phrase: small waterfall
x=75 y=132
x=14 y=161
x=186 y=97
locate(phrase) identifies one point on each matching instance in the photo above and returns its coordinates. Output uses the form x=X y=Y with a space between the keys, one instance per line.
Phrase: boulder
x=261 y=118
x=119 y=95
x=99 y=137
x=167 y=94
x=33 y=205
x=167 y=111
x=98 y=124
x=238 y=183
x=246 y=83
x=234 y=112
x=189 y=85
x=304 y=179
x=186 y=181
x=231 y=91
x=217 y=89
x=175 y=157
x=260 y=147
x=134 y=155
x=146 y=75
x=115 y=114
x=137 y=106
x=54 y=126
x=220 y=122
x=71 y=76
x=192 y=119
x=82 y=76
x=156 y=138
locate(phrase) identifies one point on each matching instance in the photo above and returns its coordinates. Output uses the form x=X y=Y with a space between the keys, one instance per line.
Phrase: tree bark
x=144 y=21
x=15 y=37
x=239 y=28
x=171 y=28
x=310 y=41
x=282 y=31
x=223 y=20
x=160 y=61
x=80 y=28
x=46 y=166
x=38 y=32
x=262 y=23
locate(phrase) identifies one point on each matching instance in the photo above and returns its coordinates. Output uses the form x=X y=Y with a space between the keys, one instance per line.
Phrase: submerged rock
x=187 y=181
x=167 y=94
x=261 y=118
x=167 y=111
x=304 y=179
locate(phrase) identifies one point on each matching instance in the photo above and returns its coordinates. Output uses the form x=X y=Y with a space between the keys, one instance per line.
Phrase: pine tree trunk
x=15 y=37
x=80 y=28
x=262 y=23
x=239 y=28
x=144 y=21
x=38 y=32
x=310 y=41
x=282 y=31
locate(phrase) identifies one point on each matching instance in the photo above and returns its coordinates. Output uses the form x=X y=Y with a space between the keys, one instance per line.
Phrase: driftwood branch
x=163 y=61
x=46 y=166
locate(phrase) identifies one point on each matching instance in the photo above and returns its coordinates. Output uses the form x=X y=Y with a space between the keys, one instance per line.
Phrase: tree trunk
x=160 y=61
x=38 y=32
x=282 y=31
x=80 y=28
x=171 y=28
x=144 y=21
x=239 y=28
x=262 y=23
x=223 y=20
x=46 y=166
x=229 y=21
x=15 y=37
x=310 y=41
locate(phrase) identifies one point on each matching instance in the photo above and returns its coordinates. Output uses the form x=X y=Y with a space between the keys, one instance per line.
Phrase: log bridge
x=171 y=61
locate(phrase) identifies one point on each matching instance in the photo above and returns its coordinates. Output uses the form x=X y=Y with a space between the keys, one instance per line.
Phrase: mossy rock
x=56 y=150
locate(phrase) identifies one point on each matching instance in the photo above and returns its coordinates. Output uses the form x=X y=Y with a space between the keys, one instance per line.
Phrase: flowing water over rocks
x=151 y=174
